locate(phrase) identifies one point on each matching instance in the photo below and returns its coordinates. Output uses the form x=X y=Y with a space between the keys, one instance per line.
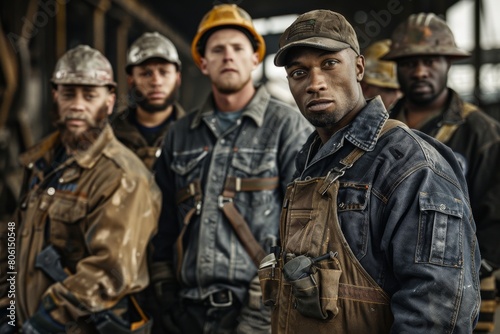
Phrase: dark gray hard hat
x=424 y=34
x=152 y=45
x=83 y=65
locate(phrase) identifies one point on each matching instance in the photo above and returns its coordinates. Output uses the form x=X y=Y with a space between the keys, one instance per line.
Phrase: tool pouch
x=316 y=295
x=269 y=276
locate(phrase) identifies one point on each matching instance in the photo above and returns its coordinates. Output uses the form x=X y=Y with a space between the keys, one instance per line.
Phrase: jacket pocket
x=440 y=230
x=249 y=162
x=352 y=204
x=66 y=214
x=188 y=164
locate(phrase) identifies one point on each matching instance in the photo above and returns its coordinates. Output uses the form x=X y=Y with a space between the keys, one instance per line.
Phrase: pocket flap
x=441 y=203
x=68 y=209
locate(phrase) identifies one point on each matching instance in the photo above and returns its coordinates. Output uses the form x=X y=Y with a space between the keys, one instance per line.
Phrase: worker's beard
x=81 y=141
x=142 y=101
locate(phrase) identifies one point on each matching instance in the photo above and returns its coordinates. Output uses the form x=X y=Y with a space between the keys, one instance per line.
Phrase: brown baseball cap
x=321 y=29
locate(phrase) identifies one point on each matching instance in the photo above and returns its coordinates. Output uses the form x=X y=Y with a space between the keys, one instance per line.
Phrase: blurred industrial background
x=35 y=33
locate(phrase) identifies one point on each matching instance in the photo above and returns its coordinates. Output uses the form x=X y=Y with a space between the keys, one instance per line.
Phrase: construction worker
x=424 y=47
x=380 y=75
x=376 y=232
x=88 y=209
x=223 y=172
x=154 y=77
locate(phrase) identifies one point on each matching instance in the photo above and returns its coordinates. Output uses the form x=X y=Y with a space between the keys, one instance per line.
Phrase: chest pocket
x=253 y=164
x=249 y=162
x=440 y=224
x=67 y=225
x=189 y=164
x=352 y=208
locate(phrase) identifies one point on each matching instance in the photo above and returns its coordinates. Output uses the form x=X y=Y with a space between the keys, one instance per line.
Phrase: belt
x=219 y=299
x=222 y=298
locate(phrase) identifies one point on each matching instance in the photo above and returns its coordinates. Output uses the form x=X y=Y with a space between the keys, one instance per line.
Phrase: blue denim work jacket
x=263 y=143
x=476 y=142
x=404 y=210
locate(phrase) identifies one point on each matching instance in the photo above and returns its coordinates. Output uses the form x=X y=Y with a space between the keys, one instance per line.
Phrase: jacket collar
x=365 y=129
x=452 y=112
x=254 y=110
x=86 y=159
x=362 y=132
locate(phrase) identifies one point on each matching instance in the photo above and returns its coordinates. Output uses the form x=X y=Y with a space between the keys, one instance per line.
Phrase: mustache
x=420 y=83
x=76 y=116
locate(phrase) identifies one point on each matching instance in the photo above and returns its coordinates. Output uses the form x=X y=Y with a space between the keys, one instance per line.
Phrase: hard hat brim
x=425 y=50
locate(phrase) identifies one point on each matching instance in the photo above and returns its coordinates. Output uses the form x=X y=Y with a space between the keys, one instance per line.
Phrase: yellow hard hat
x=381 y=73
x=224 y=15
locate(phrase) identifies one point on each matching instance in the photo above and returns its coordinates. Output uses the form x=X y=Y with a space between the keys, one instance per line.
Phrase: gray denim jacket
x=263 y=143
x=404 y=211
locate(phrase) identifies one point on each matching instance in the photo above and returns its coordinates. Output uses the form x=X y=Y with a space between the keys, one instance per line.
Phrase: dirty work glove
x=166 y=291
x=42 y=323
x=255 y=317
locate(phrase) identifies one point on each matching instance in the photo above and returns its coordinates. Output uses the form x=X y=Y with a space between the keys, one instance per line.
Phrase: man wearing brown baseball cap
x=376 y=234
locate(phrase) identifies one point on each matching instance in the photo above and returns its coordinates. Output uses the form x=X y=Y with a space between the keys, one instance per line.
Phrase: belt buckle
x=221 y=200
x=225 y=304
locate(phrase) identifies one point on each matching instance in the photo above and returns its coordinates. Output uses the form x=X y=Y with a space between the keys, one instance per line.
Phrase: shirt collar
x=254 y=110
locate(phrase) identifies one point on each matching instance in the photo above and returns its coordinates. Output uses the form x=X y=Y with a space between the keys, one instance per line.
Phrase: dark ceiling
x=373 y=19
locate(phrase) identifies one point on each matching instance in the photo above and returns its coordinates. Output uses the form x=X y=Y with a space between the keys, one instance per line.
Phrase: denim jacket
x=263 y=143
x=476 y=142
x=404 y=211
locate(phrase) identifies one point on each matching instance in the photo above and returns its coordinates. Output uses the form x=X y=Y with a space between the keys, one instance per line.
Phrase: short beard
x=140 y=100
x=80 y=142
x=322 y=120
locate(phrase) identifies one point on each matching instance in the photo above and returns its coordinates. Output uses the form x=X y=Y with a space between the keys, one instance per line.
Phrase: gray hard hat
x=83 y=65
x=152 y=45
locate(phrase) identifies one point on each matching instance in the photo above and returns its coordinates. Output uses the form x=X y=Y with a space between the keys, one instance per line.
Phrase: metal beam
x=144 y=15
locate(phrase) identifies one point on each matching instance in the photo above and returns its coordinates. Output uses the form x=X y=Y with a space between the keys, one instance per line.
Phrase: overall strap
x=240 y=226
x=232 y=185
x=192 y=190
x=447 y=130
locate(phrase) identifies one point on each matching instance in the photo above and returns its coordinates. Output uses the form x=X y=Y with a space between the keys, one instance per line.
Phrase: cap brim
x=322 y=43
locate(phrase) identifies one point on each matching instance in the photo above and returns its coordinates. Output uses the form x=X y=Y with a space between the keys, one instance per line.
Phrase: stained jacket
x=263 y=143
x=404 y=211
x=476 y=142
x=126 y=132
x=99 y=209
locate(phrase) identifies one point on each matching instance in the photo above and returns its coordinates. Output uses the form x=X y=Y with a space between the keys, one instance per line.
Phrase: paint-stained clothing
x=99 y=209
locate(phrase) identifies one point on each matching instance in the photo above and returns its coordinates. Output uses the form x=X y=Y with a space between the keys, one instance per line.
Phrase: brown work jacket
x=99 y=213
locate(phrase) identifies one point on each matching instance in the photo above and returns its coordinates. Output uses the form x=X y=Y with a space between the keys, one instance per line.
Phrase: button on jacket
x=404 y=212
x=263 y=143
x=99 y=212
x=476 y=142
